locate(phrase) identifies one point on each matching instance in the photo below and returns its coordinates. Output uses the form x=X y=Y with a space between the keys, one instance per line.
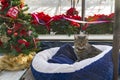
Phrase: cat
x=83 y=49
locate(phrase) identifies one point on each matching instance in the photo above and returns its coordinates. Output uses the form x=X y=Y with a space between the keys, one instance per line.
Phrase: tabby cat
x=83 y=49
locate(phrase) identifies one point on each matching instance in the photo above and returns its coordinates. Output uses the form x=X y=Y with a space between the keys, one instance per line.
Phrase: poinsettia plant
x=102 y=28
x=61 y=25
x=41 y=22
x=68 y=23
x=58 y=23
x=72 y=11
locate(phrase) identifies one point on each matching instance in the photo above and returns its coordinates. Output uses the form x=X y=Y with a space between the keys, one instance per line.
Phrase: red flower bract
x=57 y=17
x=41 y=18
x=40 y=15
x=72 y=11
x=34 y=21
x=111 y=16
x=75 y=24
x=76 y=17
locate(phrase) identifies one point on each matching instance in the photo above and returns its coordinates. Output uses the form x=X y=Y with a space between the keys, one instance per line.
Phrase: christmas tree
x=16 y=32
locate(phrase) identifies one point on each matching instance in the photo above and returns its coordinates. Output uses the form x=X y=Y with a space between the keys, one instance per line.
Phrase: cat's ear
x=75 y=36
x=86 y=35
x=81 y=33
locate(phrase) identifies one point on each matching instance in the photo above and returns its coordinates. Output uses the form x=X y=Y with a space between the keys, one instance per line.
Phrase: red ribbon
x=84 y=22
x=78 y=21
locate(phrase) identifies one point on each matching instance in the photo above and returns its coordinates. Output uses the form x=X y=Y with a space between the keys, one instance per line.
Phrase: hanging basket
x=59 y=64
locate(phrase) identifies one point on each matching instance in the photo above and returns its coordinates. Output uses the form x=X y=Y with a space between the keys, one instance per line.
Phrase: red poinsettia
x=111 y=16
x=72 y=11
x=100 y=17
x=34 y=20
x=43 y=16
x=75 y=24
x=42 y=19
x=57 y=17
x=93 y=18
x=74 y=17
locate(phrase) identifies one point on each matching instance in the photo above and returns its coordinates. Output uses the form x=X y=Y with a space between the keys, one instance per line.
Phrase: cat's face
x=80 y=41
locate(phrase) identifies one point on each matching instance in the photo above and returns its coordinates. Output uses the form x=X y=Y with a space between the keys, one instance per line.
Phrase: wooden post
x=73 y=3
x=82 y=14
x=116 y=39
x=83 y=10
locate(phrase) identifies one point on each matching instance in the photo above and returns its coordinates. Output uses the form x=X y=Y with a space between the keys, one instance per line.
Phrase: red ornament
x=23 y=41
x=16 y=47
x=4 y=4
x=9 y=31
x=30 y=33
x=22 y=3
x=1 y=43
x=23 y=33
x=17 y=26
x=13 y=12
x=15 y=34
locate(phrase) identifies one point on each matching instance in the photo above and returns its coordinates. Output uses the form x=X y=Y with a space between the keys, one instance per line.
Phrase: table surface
x=18 y=75
x=28 y=75
x=11 y=75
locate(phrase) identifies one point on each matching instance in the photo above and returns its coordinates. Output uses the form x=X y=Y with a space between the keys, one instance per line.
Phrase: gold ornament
x=22 y=1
